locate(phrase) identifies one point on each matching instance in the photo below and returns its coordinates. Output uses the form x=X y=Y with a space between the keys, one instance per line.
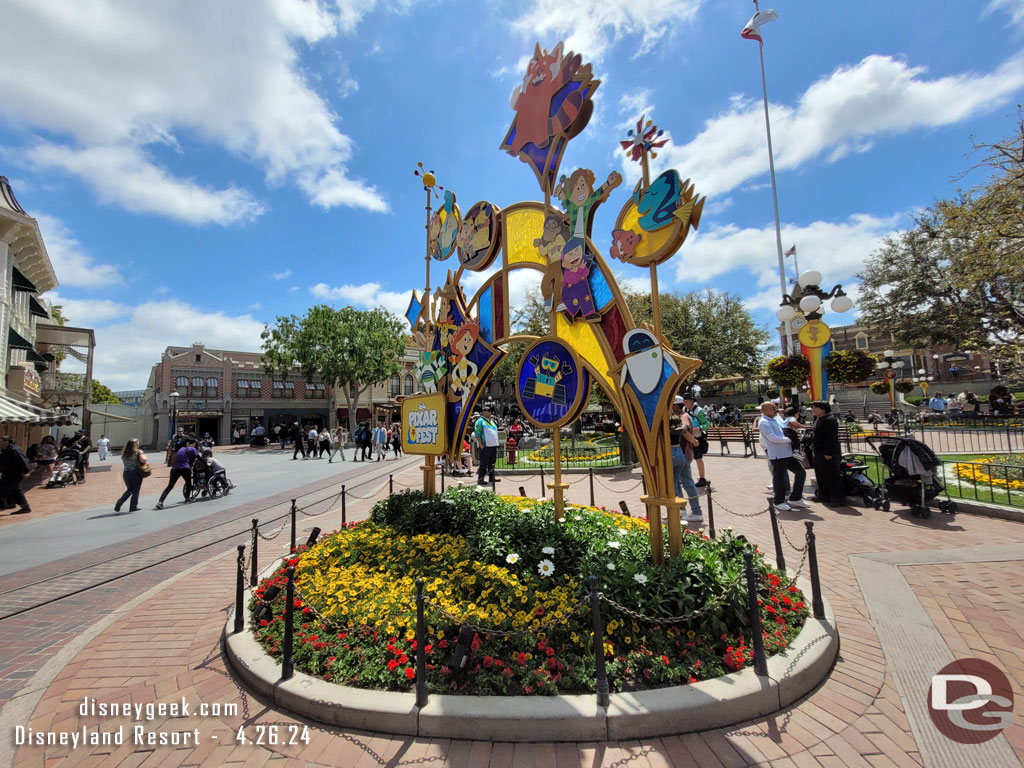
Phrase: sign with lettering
x=423 y=424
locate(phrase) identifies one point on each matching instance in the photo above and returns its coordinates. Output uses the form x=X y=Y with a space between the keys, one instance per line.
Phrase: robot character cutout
x=548 y=371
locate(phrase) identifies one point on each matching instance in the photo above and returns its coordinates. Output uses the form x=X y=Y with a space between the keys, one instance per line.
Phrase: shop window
x=212 y=387
x=196 y=386
x=289 y=390
x=408 y=384
x=862 y=342
x=255 y=388
x=242 y=388
x=181 y=383
x=278 y=389
x=316 y=390
x=396 y=385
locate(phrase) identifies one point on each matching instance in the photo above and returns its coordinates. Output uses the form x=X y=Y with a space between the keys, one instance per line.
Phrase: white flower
x=511 y=558
x=561 y=519
x=640 y=578
x=623 y=531
x=614 y=544
x=546 y=568
x=610 y=566
x=728 y=529
x=548 y=550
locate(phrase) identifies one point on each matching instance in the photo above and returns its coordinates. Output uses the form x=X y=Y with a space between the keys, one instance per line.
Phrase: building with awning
x=30 y=353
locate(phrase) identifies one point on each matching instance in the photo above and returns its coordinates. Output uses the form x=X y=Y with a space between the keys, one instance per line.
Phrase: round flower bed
x=507 y=600
x=603 y=448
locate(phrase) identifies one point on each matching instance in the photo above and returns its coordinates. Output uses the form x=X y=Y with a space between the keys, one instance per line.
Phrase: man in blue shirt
x=937 y=404
x=485 y=430
x=781 y=460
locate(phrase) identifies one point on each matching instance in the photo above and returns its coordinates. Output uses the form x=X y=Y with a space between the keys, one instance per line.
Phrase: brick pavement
x=168 y=647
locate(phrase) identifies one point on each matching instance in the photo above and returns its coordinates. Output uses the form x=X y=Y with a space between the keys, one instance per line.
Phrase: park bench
x=739 y=434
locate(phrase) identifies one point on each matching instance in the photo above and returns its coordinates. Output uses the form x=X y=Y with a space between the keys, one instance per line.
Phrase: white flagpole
x=787 y=340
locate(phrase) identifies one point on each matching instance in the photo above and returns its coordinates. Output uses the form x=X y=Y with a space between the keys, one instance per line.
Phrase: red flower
x=488 y=662
x=391 y=665
x=403 y=659
x=521 y=657
x=409 y=673
x=549 y=651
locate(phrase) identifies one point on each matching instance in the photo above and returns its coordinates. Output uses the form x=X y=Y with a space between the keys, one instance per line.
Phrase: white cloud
x=126 y=350
x=124 y=176
x=836 y=249
x=1012 y=7
x=367 y=295
x=120 y=78
x=163 y=290
x=281 y=275
x=72 y=264
x=89 y=313
x=592 y=26
x=838 y=115
x=633 y=106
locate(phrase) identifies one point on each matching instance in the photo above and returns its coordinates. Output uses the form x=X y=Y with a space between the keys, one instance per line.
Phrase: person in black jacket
x=297 y=436
x=13 y=467
x=827 y=455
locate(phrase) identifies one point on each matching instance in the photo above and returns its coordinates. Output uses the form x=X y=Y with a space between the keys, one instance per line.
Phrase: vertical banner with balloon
x=815 y=345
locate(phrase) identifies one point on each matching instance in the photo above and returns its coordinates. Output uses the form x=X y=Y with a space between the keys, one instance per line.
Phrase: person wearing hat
x=83 y=444
x=485 y=431
x=682 y=442
x=700 y=423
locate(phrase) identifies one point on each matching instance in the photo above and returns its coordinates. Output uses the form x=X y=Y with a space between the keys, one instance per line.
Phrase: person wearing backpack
x=701 y=424
x=13 y=467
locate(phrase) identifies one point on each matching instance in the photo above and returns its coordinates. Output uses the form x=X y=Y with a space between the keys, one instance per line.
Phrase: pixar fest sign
x=423 y=424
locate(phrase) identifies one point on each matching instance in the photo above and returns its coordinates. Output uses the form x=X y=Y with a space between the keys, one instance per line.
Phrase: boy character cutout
x=463 y=370
x=577 y=298
x=550 y=246
x=579 y=198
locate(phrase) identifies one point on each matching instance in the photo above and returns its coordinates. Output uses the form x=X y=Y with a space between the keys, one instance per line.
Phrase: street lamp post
x=815 y=336
x=174 y=411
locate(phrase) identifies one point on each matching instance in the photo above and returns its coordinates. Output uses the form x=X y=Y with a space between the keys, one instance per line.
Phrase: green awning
x=37 y=309
x=21 y=283
x=34 y=357
x=16 y=341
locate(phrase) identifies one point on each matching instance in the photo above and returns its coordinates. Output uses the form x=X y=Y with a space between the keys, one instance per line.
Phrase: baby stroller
x=852 y=473
x=912 y=478
x=208 y=482
x=64 y=468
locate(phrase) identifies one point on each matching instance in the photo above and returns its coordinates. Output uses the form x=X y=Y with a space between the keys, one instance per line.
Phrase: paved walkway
x=157 y=640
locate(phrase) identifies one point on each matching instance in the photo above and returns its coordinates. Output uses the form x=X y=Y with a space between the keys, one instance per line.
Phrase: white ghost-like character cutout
x=644 y=361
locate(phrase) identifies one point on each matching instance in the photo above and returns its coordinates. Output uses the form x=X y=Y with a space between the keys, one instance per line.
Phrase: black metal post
x=711 y=514
x=421 y=653
x=344 y=522
x=780 y=556
x=391 y=485
x=754 y=611
x=624 y=508
x=287 y=665
x=293 y=510
x=240 y=589
x=601 y=673
x=254 y=550
x=522 y=490
x=817 y=607
x=643 y=484
x=494 y=480
x=543 y=492
x=592 y=487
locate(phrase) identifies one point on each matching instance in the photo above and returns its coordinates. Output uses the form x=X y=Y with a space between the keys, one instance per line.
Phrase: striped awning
x=14 y=412
x=36 y=308
x=16 y=341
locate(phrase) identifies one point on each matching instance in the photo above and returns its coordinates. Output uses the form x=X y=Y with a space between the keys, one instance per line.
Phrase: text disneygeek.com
x=165 y=734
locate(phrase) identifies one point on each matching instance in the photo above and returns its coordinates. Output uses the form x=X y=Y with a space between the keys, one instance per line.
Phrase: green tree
x=957 y=277
x=529 y=318
x=103 y=394
x=713 y=327
x=349 y=349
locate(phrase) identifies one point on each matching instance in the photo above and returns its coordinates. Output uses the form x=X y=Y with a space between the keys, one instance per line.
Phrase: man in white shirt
x=781 y=460
x=102 y=446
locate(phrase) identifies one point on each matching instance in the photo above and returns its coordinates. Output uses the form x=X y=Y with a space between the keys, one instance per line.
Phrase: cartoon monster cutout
x=624 y=243
x=546 y=74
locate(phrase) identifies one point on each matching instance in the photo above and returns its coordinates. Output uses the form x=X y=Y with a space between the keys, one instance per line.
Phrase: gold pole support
x=429 y=477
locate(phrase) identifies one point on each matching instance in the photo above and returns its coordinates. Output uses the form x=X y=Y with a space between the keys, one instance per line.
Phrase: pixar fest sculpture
x=593 y=337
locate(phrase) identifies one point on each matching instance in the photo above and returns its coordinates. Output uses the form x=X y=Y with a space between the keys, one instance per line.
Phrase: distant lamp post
x=807 y=301
x=890 y=368
x=174 y=411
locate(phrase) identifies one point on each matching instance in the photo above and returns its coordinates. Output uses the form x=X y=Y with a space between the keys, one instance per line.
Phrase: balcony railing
x=63 y=383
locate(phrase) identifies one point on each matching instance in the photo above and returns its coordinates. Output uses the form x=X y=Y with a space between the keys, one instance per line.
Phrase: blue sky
x=200 y=168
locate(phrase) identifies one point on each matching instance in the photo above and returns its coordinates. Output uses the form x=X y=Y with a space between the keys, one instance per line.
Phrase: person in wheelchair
x=217 y=481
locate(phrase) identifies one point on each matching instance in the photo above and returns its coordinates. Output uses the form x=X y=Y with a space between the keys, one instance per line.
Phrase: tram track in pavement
x=54 y=588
